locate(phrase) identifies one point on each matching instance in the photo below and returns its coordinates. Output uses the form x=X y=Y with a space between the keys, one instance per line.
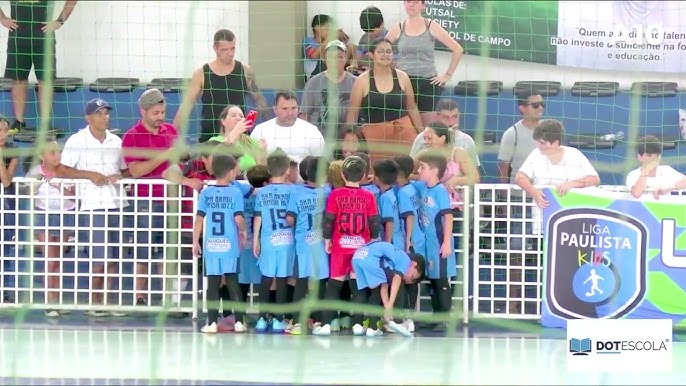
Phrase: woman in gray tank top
x=415 y=39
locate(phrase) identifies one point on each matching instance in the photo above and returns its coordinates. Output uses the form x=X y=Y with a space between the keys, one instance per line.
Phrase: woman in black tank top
x=382 y=100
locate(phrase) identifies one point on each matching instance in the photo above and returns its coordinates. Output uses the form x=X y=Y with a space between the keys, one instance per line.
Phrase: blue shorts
x=55 y=224
x=219 y=266
x=102 y=228
x=248 y=268
x=277 y=263
x=313 y=262
x=149 y=228
x=368 y=273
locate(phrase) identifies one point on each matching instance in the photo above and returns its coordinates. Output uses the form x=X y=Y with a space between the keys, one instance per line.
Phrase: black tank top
x=217 y=93
x=30 y=16
x=378 y=107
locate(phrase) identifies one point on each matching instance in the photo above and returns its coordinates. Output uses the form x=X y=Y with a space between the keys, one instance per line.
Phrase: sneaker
x=359 y=330
x=118 y=314
x=261 y=325
x=16 y=127
x=335 y=325
x=209 y=329
x=295 y=330
x=277 y=326
x=398 y=329
x=324 y=330
x=97 y=314
x=240 y=328
x=409 y=325
x=345 y=322
x=64 y=312
x=141 y=302
x=374 y=332
x=52 y=313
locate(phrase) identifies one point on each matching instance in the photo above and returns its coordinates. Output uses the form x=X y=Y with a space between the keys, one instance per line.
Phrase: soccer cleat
x=345 y=322
x=398 y=329
x=261 y=325
x=52 y=313
x=277 y=326
x=372 y=332
x=335 y=325
x=295 y=329
x=239 y=328
x=409 y=325
x=324 y=330
x=209 y=329
x=359 y=330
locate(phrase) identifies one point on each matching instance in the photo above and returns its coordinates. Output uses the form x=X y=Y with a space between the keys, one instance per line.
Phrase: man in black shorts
x=31 y=43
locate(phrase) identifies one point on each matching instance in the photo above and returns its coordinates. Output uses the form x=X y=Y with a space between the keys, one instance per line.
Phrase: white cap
x=336 y=44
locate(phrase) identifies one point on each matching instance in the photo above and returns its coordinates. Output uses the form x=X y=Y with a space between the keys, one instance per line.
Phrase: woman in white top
x=552 y=164
x=651 y=175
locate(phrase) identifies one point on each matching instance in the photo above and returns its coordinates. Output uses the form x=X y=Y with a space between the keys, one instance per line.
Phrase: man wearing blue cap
x=95 y=150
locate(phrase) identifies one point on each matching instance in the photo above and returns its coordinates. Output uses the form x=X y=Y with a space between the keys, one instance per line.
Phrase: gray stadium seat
x=114 y=84
x=544 y=88
x=66 y=84
x=591 y=141
x=595 y=89
x=654 y=89
x=5 y=84
x=168 y=84
x=471 y=87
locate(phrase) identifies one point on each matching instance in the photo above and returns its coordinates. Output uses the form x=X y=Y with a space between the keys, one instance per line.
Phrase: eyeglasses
x=537 y=104
x=387 y=51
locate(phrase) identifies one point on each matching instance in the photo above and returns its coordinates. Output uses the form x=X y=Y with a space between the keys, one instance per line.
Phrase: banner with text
x=608 y=255
x=610 y=35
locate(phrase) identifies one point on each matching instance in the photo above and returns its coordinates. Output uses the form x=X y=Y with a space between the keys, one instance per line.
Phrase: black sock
x=224 y=296
x=264 y=296
x=290 y=290
x=213 y=298
x=333 y=292
x=359 y=297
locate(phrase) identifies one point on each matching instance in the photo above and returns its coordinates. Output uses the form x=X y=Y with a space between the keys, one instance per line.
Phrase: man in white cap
x=327 y=95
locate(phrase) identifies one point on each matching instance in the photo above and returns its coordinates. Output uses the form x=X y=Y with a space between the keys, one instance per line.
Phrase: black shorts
x=21 y=56
x=426 y=95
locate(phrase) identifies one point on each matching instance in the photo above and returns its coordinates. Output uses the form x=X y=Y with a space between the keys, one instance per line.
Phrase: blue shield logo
x=596 y=264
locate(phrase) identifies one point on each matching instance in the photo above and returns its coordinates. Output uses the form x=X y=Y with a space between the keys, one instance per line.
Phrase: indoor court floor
x=131 y=351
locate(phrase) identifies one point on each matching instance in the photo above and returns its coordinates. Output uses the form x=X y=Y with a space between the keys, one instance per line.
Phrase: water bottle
x=618 y=136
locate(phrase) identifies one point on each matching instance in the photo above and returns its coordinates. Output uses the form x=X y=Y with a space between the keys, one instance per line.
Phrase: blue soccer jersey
x=388 y=211
x=377 y=262
x=435 y=205
x=249 y=270
x=276 y=236
x=372 y=188
x=220 y=206
x=409 y=204
x=306 y=206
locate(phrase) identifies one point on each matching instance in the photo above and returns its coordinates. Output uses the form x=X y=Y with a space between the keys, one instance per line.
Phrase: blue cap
x=95 y=105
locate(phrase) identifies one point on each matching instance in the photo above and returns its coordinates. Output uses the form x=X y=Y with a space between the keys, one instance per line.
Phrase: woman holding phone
x=235 y=128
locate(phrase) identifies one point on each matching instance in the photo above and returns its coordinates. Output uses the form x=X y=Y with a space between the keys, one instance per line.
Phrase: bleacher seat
x=114 y=84
x=168 y=84
x=5 y=84
x=471 y=87
x=544 y=88
x=66 y=84
x=595 y=89
x=654 y=89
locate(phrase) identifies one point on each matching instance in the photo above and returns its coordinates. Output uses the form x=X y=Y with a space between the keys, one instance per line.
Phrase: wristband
x=60 y=20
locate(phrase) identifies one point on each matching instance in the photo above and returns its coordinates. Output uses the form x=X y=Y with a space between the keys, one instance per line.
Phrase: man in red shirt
x=148 y=149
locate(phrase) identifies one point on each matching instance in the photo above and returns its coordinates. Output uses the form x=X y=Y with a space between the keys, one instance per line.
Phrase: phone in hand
x=251 y=117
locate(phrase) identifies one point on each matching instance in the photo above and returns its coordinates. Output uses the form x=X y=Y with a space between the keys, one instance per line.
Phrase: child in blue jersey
x=436 y=218
x=219 y=221
x=382 y=269
x=368 y=182
x=249 y=271
x=305 y=210
x=385 y=176
x=409 y=204
x=273 y=238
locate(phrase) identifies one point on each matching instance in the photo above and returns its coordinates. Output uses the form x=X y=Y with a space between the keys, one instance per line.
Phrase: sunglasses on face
x=536 y=105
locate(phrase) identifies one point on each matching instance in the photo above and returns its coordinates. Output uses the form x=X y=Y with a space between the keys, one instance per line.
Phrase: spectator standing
x=222 y=82
x=8 y=168
x=313 y=52
x=31 y=43
x=296 y=137
x=94 y=151
x=416 y=43
x=148 y=148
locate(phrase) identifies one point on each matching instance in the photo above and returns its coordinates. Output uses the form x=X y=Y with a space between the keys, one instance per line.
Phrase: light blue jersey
x=220 y=206
x=249 y=270
x=276 y=236
x=388 y=211
x=377 y=262
x=409 y=204
x=436 y=204
x=306 y=206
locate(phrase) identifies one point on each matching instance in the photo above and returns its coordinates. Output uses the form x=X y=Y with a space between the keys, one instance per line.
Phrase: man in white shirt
x=651 y=175
x=448 y=113
x=297 y=137
x=94 y=149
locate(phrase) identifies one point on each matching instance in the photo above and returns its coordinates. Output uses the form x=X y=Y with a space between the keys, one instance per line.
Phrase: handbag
x=388 y=139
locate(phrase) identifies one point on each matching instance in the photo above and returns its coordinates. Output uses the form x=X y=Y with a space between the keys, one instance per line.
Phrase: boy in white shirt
x=651 y=175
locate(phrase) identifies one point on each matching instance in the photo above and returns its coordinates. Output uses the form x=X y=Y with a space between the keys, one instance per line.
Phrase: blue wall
x=580 y=115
